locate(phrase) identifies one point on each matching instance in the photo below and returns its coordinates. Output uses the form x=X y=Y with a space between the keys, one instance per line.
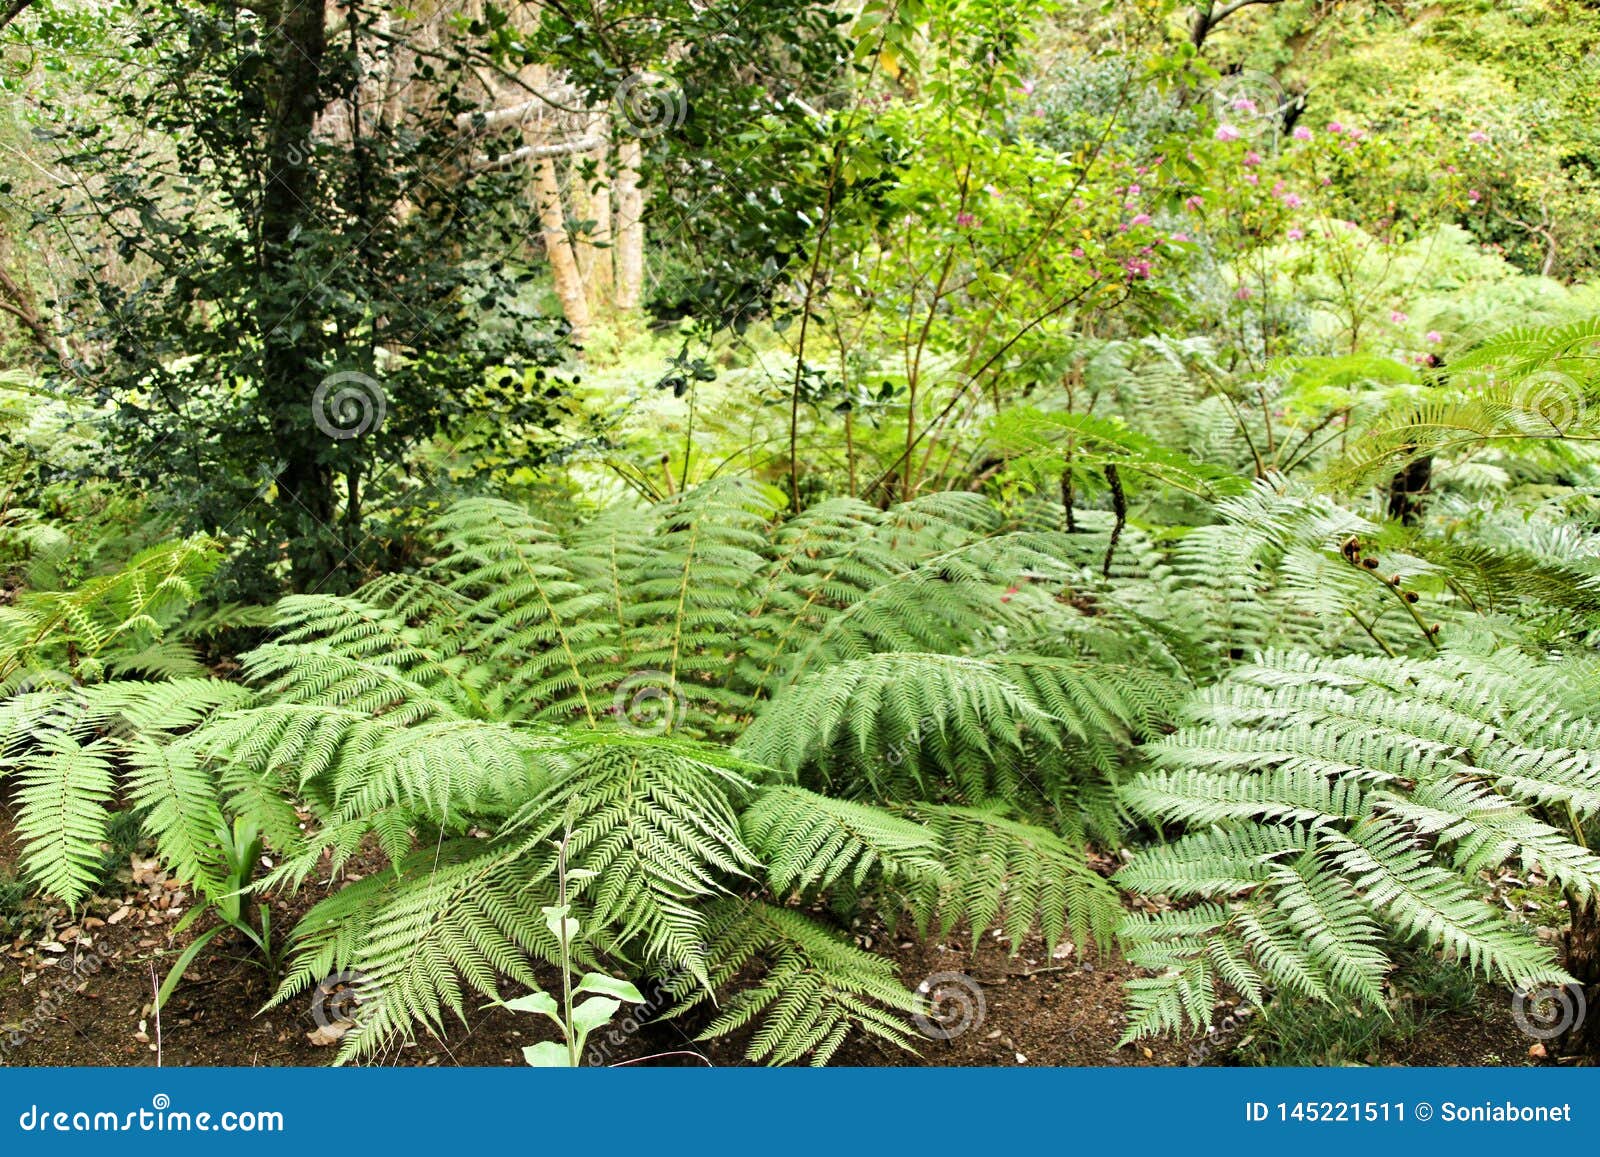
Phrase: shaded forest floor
x=1039 y=1008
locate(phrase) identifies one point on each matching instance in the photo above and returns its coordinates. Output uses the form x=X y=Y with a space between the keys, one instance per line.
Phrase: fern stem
x=566 y=950
x=1360 y=622
x=1119 y=507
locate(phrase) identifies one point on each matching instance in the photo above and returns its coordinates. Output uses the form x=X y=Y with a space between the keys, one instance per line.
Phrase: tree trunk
x=17 y=300
x=629 y=226
x=1582 y=1040
x=13 y=10
x=1409 y=487
x=583 y=201
x=306 y=502
x=558 y=247
x=601 y=278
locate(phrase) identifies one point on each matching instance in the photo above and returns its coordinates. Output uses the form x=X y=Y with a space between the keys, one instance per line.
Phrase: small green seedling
x=240 y=846
x=605 y=993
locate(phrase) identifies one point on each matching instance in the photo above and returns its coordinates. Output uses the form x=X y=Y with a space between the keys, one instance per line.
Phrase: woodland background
x=895 y=531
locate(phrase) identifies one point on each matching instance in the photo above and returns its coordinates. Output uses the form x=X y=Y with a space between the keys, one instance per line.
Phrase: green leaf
x=547 y=1055
x=592 y=1014
x=610 y=986
x=557 y=920
x=540 y=1002
x=182 y=965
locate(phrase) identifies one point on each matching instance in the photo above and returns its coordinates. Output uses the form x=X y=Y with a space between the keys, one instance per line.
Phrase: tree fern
x=945 y=677
x=1338 y=803
x=1527 y=390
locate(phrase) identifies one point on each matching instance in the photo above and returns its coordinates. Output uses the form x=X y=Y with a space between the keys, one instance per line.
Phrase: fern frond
x=1019 y=875
x=812 y=990
x=1356 y=795
x=809 y=842
x=63 y=789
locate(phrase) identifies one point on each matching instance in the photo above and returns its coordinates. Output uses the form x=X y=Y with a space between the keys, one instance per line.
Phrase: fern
x=811 y=843
x=811 y=989
x=998 y=870
x=1527 y=390
x=943 y=677
x=491 y=696
x=1334 y=803
x=120 y=618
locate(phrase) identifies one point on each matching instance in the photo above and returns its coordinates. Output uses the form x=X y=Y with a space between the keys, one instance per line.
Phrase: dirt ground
x=79 y=992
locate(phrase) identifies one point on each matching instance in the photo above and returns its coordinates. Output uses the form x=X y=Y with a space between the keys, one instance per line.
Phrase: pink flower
x=1252 y=179
x=1478 y=137
x=1397 y=317
x=965 y=220
x=1027 y=88
x=1180 y=237
x=1294 y=234
x=1356 y=134
x=1227 y=133
x=1137 y=267
x=1140 y=219
x=1193 y=204
x=1244 y=104
x=1474 y=196
x=1243 y=293
x=1252 y=158
x=1327 y=181
x=1292 y=200
x=1078 y=252
x=1301 y=133
x=1134 y=190
x=1434 y=336
x=1335 y=127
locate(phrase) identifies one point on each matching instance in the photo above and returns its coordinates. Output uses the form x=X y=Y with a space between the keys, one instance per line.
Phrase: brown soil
x=1038 y=1009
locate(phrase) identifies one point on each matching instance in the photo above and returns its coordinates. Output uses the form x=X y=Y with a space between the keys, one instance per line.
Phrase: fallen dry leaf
x=328 y=1034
